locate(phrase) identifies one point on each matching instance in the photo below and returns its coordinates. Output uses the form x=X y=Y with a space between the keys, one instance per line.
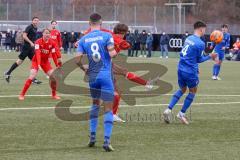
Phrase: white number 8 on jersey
x=95 y=50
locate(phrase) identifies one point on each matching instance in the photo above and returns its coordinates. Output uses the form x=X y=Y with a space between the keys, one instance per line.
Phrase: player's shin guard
x=218 y=67
x=116 y=103
x=26 y=86
x=53 y=85
x=93 y=122
x=133 y=77
x=175 y=98
x=187 y=102
x=108 y=125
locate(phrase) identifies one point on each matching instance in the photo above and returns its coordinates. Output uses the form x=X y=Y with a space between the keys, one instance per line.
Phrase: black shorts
x=27 y=51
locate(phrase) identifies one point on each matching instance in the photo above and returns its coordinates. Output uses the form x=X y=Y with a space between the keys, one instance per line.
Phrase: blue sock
x=187 y=102
x=175 y=98
x=218 y=67
x=108 y=125
x=214 y=69
x=93 y=120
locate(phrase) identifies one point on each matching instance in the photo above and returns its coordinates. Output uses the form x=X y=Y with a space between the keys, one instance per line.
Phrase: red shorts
x=45 y=65
x=58 y=53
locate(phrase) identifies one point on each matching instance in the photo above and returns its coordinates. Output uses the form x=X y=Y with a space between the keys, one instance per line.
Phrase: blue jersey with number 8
x=192 y=54
x=95 y=44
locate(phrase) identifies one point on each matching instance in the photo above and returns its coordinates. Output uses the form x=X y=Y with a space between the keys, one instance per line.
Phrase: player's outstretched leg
x=27 y=84
x=187 y=103
x=53 y=85
x=7 y=74
x=116 y=102
x=167 y=114
x=93 y=123
x=108 y=125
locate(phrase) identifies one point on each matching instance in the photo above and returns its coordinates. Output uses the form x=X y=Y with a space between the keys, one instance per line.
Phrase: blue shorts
x=187 y=80
x=102 y=88
x=220 y=55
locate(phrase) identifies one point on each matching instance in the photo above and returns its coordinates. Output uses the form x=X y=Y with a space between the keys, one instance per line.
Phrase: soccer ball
x=216 y=36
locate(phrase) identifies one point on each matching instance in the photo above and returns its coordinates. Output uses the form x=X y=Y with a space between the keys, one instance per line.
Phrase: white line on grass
x=71 y=95
x=122 y=106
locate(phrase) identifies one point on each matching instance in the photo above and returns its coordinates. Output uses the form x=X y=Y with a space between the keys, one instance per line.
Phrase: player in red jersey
x=44 y=47
x=120 y=44
x=56 y=36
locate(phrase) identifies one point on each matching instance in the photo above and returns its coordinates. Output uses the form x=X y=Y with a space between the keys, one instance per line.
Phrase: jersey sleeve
x=200 y=56
x=110 y=40
x=38 y=52
x=228 y=41
x=80 y=48
x=27 y=30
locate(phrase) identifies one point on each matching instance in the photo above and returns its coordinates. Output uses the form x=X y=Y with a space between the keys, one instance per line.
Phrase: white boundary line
x=73 y=95
x=122 y=106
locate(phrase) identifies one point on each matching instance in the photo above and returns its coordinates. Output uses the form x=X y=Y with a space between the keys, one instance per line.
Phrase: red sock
x=26 y=86
x=53 y=85
x=133 y=77
x=116 y=103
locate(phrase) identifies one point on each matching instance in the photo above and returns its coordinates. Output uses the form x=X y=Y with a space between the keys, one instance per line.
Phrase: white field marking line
x=122 y=106
x=8 y=59
x=74 y=95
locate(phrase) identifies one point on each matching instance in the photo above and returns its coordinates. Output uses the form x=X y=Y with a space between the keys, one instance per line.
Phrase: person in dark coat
x=149 y=42
x=164 y=41
x=130 y=40
x=8 y=42
x=136 y=43
x=143 y=39
x=65 y=41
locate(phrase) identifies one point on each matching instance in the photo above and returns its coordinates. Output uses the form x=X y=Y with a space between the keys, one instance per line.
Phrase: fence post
x=7 y=11
x=73 y=12
x=135 y=15
x=30 y=11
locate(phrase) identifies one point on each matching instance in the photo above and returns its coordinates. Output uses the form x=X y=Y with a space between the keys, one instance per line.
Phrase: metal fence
x=151 y=18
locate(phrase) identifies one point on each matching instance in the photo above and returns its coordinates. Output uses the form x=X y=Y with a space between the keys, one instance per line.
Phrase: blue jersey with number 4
x=192 y=54
x=95 y=44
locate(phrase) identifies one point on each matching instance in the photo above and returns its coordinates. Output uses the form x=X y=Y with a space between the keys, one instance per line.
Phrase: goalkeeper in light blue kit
x=220 y=49
x=190 y=55
x=99 y=48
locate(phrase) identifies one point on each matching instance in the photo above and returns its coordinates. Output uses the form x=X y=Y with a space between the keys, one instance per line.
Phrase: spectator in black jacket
x=184 y=37
x=71 y=41
x=136 y=43
x=149 y=44
x=164 y=41
x=13 y=34
x=143 y=39
x=7 y=42
x=130 y=39
x=0 y=40
x=65 y=41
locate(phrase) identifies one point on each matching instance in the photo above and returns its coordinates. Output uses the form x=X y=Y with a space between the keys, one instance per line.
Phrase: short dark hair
x=199 y=24
x=224 y=26
x=35 y=17
x=53 y=21
x=120 y=28
x=95 y=18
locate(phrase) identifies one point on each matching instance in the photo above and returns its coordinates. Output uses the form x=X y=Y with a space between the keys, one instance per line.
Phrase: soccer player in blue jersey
x=98 y=46
x=220 y=50
x=190 y=55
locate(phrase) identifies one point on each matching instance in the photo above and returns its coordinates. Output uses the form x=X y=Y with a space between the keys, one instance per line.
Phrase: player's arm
x=38 y=54
x=54 y=52
x=59 y=38
x=110 y=47
x=25 y=33
x=202 y=58
x=79 y=56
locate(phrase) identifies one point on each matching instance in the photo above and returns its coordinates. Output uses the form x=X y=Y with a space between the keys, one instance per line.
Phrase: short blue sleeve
x=110 y=41
x=80 y=48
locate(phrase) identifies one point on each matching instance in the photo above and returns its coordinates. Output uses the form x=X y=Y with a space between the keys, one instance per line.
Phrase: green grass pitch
x=30 y=130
